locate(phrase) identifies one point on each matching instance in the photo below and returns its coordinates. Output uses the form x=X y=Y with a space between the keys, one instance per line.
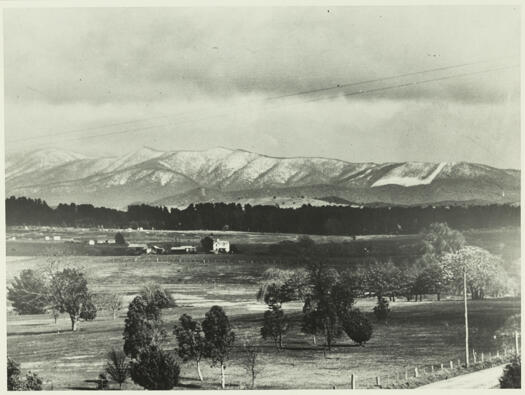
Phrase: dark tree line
x=306 y=219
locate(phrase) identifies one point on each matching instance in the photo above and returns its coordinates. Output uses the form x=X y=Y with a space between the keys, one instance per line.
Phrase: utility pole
x=466 y=314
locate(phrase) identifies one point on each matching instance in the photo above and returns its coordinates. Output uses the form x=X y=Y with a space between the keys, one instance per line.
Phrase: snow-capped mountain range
x=179 y=178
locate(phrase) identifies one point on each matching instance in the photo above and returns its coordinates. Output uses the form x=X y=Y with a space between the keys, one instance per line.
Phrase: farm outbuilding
x=183 y=250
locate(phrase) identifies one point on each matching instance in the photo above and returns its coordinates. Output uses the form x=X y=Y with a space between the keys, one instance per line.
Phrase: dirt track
x=487 y=378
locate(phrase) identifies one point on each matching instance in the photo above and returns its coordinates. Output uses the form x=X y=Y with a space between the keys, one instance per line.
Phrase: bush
x=155 y=369
x=32 y=382
x=511 y=375
x=117 y=366
x=382 y=311
x=357 y=326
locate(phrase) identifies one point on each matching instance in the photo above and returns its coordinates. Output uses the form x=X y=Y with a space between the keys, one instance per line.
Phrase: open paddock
x=417 y=333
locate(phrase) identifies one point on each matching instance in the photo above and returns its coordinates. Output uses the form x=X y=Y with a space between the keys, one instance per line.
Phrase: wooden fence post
x=442 y=367
x=497 y=354
x=352 y=381
x=482 y=357
x=406 y=373
x=451 y=365
x=378 y=381
x=474 y=356
x=516 y=343
x=416 y=373
x=432 y=369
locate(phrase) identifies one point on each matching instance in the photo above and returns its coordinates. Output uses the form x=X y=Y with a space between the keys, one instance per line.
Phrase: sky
x=362 y=84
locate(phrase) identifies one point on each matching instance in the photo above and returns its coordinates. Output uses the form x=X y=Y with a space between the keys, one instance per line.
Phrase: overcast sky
x=107 y=81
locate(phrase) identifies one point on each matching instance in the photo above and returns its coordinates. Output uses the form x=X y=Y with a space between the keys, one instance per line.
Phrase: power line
x=341 y=86
x=413 y=83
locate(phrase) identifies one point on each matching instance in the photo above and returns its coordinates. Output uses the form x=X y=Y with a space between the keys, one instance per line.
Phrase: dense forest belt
x=329 y=220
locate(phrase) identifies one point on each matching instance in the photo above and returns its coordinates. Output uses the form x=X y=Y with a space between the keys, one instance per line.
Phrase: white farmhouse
x=221 y=246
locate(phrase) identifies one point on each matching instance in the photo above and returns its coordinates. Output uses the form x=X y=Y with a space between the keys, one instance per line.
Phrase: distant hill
x=179 y=178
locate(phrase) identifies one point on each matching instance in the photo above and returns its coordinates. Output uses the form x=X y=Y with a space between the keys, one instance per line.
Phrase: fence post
x=378 y=381
x=451 y=365
x=416 y=373
x=490 y=355
x=352 y=381
x=474 y=356
x=497 y=354
x=432 y=369
x=442 y=367
x=482 y=357
x=516 y=343
x=459 y=363
x=406 y=373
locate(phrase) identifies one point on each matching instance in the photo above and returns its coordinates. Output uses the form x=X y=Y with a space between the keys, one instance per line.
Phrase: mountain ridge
x=175 y=178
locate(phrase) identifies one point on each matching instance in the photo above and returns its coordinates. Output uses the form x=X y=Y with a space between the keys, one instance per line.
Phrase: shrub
x=357 y=326
x=117 y=366
x=382 y=311
x=31 y=382
x=155 y=369
x=511 y=375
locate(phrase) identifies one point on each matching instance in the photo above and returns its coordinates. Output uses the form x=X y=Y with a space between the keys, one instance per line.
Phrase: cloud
x=101 y=55
x=207 y=73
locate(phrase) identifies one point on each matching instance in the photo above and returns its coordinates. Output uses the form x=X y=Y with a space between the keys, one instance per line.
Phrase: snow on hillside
x=411 y=174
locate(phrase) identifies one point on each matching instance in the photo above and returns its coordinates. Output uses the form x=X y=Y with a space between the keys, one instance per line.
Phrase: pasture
x=417 y=333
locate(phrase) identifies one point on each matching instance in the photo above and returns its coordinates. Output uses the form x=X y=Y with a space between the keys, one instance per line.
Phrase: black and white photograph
x=261 y=197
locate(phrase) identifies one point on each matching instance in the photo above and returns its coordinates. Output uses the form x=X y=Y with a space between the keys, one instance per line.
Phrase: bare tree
x=249 y=359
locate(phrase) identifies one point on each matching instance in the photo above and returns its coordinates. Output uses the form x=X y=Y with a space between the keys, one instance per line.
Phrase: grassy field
x=420 y=334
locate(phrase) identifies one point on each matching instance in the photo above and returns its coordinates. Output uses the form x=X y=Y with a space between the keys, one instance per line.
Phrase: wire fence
x=413 y=376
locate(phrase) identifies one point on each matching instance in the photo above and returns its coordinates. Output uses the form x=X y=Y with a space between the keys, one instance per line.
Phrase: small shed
x=183 y=250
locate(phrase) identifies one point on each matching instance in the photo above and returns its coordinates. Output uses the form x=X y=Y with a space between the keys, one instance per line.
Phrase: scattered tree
x=381 y=310
x=249 y=357
x=438 y=240
x=142 y=327
x=117 y=366
x=382 y=279
x=485 y=275
x=275 y=325
x=28 y=293
x=155 y=369
x=191 y=341
x=119 y=239
x=207 y=244
x=68 y=291
x=157 y=297
x=357 y=326
x=219 y=338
